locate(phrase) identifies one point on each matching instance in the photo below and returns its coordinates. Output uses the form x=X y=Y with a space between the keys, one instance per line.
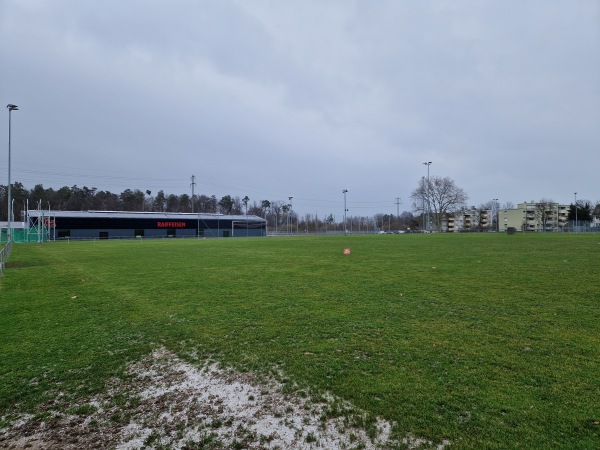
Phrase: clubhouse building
x=53 y=225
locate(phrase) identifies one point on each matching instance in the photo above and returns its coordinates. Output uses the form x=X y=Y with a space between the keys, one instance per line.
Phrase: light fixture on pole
x=345 y=191
x=428 y=224
x=423 y=227
x=495 y=206
x=290 y=219
x=575 y=211
x=11 y=108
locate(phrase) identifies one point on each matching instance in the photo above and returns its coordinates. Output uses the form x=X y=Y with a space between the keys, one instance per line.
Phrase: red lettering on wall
x=170 y=224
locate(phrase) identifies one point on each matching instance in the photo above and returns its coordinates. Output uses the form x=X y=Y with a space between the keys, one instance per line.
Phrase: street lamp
x=11 y=108
x=575 y=211
x=428 y=224
x=495 y=205
x=423 y=227
x=291 y=219
x=345 y=209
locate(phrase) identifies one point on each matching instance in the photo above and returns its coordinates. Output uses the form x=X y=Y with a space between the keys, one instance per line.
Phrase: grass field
x=484 y=340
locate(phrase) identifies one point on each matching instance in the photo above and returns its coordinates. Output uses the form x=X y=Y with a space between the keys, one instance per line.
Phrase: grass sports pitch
x=475 y=341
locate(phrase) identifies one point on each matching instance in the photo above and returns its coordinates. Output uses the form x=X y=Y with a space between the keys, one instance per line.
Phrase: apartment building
x=534 y=216
x=596 y=216
x=472 y=219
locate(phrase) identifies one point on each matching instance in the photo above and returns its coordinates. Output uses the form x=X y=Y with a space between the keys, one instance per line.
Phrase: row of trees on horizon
x=439 y=196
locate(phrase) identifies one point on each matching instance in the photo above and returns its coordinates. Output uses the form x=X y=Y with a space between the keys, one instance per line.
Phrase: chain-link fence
x=4 y=254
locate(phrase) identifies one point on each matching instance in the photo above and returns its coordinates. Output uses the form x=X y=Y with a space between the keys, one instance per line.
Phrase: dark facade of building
x=119 y=225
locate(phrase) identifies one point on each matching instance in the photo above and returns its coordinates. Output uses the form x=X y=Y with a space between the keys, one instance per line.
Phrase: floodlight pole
x=428 y=223
x=423 y=226
x=575 y=210
x=290 y=219
x=497 y=207
x=345 y=191
x=11 y=108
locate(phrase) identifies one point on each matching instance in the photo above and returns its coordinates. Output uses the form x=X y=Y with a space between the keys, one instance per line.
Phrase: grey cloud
x=306 y=98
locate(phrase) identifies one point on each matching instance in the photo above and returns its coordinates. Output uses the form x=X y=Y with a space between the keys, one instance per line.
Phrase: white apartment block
x=469 y=220
x=596 y=216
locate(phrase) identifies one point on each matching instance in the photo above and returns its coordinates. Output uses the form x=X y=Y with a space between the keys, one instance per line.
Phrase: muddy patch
x=164 y=402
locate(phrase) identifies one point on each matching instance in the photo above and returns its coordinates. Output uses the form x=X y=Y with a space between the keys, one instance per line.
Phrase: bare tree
x=255 y=209
x=286 y=210
x=237 y=205
x=545 y=212
x=444 y=197
x=407 y=220
x=276 y=212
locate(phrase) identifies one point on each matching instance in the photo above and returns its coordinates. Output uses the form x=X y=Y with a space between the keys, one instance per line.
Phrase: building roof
x=142 y=215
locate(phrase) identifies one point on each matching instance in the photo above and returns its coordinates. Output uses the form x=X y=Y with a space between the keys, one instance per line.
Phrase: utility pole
x=345 y=191
x=193 y=185
x=398 y=210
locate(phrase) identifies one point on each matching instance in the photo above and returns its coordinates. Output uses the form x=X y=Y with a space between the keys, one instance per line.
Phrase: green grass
x=487 y=340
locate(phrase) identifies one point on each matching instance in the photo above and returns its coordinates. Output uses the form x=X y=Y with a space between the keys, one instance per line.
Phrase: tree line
x=279 y=214
x=436 y=197
x=77 y=198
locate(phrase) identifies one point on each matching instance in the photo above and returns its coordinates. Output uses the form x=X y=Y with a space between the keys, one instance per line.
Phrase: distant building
x=534 y=216
x=52 y=225
x=596 y=216
x=472 y=219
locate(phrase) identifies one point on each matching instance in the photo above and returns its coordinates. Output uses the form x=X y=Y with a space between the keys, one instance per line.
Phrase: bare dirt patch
x=165 y=402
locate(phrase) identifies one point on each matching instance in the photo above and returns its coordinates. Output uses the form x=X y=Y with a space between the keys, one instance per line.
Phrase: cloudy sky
x=305 y=98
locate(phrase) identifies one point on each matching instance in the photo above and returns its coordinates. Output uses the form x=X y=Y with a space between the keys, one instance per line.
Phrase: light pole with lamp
x=245 y=201
x=428 y=224
x=345 y=210
x=11 y=108
x=423 y=226
x=575 y=212
x=291 y=219
x=497 y=215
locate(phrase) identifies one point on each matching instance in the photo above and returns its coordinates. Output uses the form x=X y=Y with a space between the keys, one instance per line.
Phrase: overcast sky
x=305 y=98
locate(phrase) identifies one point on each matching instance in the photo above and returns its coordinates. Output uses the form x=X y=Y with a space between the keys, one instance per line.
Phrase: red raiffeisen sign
x=170 y=224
